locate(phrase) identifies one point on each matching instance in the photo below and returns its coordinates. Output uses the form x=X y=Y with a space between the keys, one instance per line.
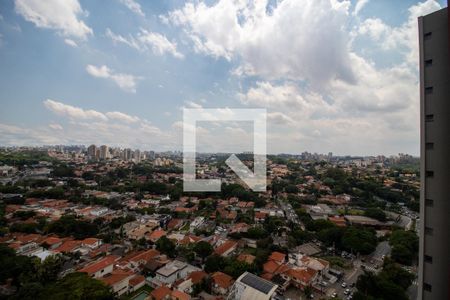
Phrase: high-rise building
x=92 y=150
x=434 y=249
x=104 y=152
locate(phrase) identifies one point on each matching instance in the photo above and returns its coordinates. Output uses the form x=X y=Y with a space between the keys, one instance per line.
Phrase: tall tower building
x=104 y=152
x=434 y=249
x=92 y=150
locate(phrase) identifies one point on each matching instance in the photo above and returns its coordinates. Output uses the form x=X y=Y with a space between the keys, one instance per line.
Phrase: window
x=429 y=146
x=429 y=202
x=427 y=35
x=427 y=287
x=429 y=118
x=428 y=230
x=429 y=173
x=428 y=259
x=428 y=62
x=429 y=90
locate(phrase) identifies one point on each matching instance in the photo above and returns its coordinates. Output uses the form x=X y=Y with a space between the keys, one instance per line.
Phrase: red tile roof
x=160 y=292
x=115 y=277
x=68 y=246
x=137 y=280
x=222 y=280
x=90 y=241
x=100 y=264
x=277 y=256
x=225 y=247
x=197 y=276
x=179 y=295
x=145 y=256
x=51 y=240
x=270 y=267
x=155 y=235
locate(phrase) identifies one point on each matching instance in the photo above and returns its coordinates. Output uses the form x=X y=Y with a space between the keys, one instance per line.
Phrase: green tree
x=203 y=249
x=359 y=240
x=166 y=246
x=77 y=286
x=214 y=263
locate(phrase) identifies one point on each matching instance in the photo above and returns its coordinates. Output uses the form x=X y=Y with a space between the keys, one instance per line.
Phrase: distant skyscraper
x=92 y=150
x=104 y=152
x=434 y=250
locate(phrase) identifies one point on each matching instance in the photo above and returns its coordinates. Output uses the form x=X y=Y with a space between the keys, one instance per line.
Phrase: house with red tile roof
x=300 y=277
x=247 y=258
x=221 y=283
x=143 y=257
x=91 y=243
x=155 y=235
x=118 y=280
x=135 y=283
x=52 y=242
x=193 y=278
x=68 y=246
x=179 y=295
x=226 y=249
x=278 y=257
x=101 y=267
x=339 y=221
x=260 y=216
x=161 y=293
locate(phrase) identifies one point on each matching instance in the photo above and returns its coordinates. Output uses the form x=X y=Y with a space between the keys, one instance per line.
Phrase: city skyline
x=90 y=80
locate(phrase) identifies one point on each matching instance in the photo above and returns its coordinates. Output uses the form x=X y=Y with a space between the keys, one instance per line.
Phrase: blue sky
x=336 y=76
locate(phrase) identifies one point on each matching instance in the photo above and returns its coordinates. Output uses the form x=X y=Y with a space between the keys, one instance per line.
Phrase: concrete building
x=92 y=152
x=251 y=287
x=434 y=258
x=104 y=152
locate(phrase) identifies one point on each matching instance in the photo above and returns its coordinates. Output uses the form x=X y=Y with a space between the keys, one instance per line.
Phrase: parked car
x=344 y=285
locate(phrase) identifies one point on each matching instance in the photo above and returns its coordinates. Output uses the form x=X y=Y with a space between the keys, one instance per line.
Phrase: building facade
x=434 y=249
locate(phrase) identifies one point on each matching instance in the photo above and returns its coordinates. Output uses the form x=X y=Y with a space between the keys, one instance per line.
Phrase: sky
x=334 y=76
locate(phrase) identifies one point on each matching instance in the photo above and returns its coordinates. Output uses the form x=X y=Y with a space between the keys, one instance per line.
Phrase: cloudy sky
x=334 y=75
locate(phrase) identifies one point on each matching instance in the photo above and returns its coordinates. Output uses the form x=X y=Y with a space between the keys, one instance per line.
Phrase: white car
x=344 y=285
x=347 y=291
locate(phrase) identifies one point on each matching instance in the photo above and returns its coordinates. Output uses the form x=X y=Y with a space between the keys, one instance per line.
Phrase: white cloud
x=133 y=6
x=77 y=113
x=403 y=38
x=288 y=43
x=158 y=43
x=117 y=38
x=147 y=41
x=359 y=5
x=73 y=112
x=279 y=118
x=126 y=82
x=122 y=117
x=70 y=42
x=62 y=16
x=55 y=126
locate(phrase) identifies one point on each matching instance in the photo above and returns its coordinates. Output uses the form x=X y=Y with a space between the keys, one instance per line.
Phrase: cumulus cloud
x=146 y=40
x=287 y=43
x=62 y=16
x=55 y=126
x=133 y=6
x=126 y=82
x=73 y=112
x=78 y=113
x=116 y=115
x=359 y=6
x=403 y=38
x=70 y=42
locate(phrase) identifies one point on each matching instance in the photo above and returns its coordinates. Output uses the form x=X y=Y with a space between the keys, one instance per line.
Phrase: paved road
x=383 y=248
